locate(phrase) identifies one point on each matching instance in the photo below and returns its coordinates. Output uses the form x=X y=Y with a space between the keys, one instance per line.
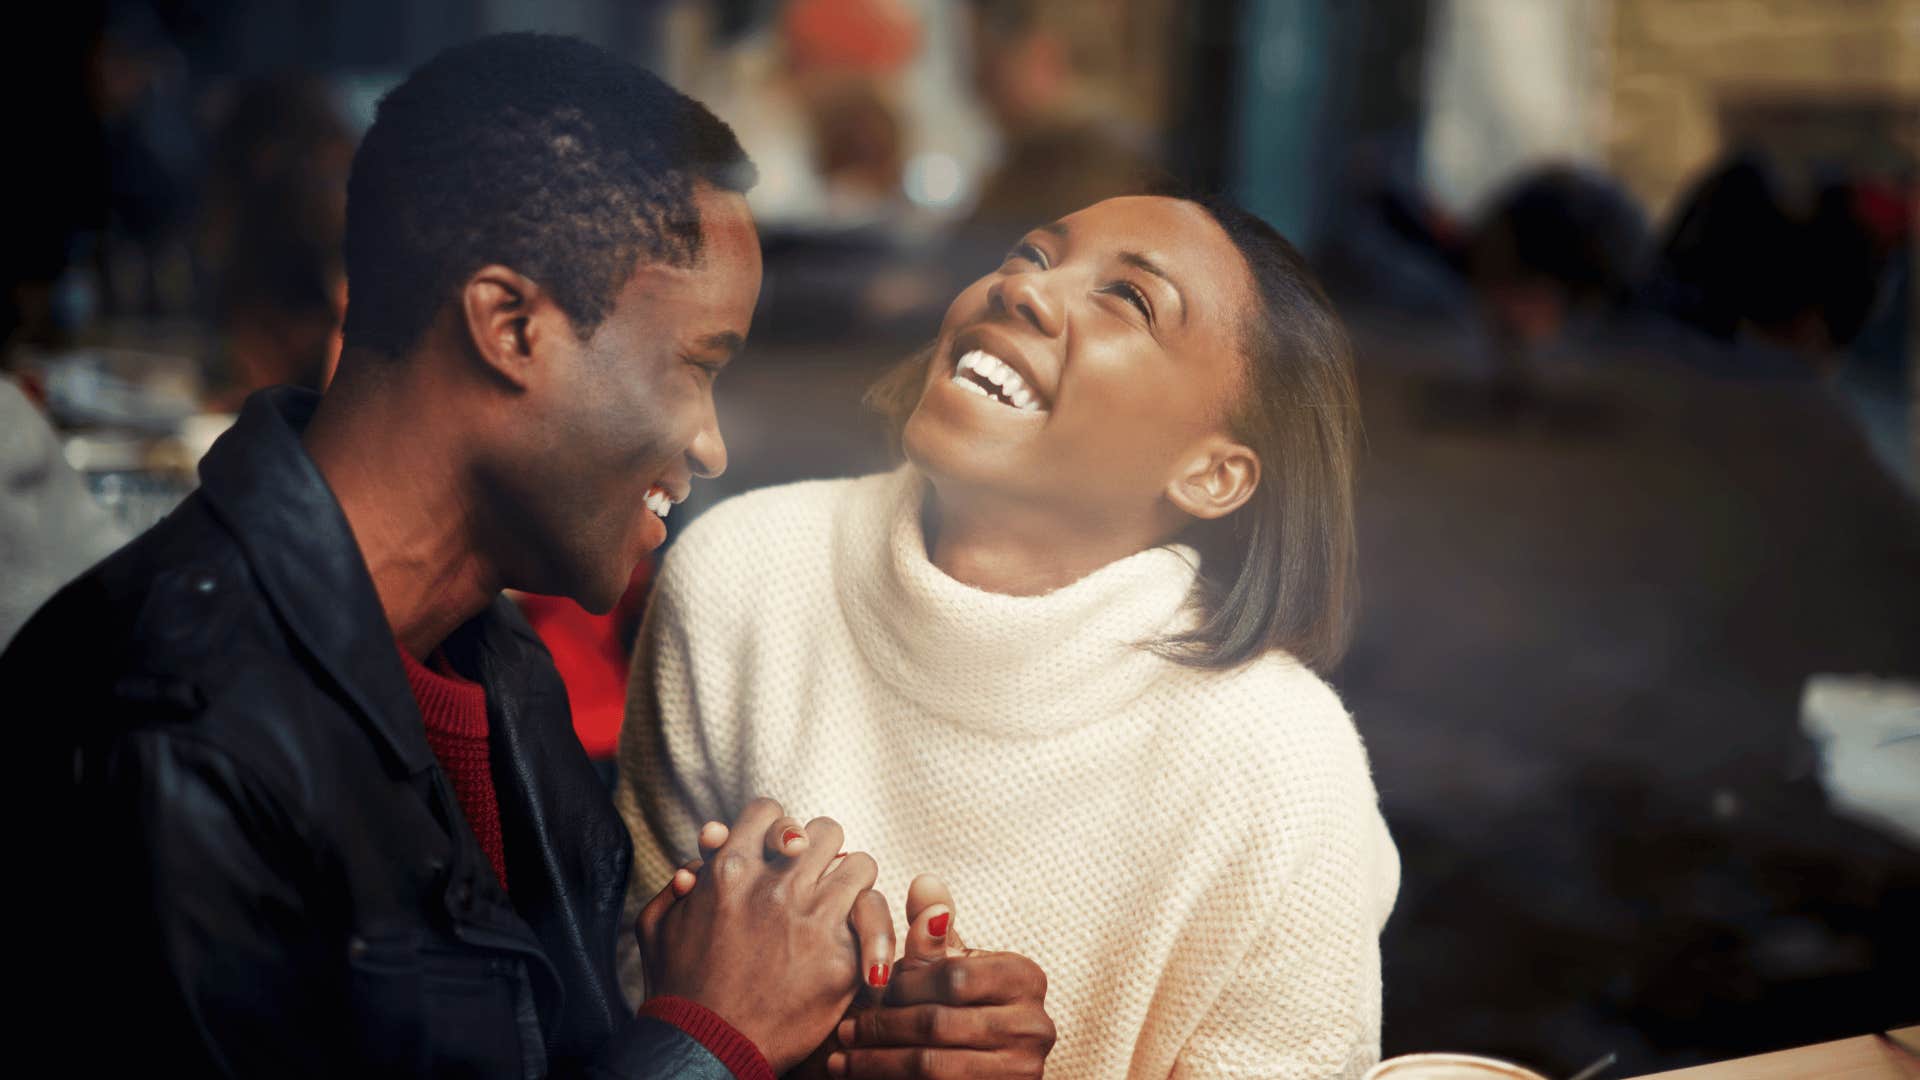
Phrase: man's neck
x=397 y=470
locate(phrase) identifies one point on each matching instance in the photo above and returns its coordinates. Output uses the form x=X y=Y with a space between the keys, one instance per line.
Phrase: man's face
x=626 y=417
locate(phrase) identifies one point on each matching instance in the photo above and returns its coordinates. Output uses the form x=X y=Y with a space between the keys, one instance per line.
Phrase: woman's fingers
x=924 y=1062
x=685 y=878
x=712 y=836
x=979 y=978
x=924 y=895
x=679 y=885
x=872 y=924
x=927 y=937
x=982 y=1027
x=926 y=891
x=786 y=838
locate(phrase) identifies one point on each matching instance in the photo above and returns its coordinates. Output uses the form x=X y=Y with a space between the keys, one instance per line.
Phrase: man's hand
x=761 y=930
x=950 y=1011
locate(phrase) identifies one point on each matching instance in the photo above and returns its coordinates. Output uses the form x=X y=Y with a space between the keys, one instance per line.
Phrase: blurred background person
x=1559 y=245
x=272 y=216
x=1044 y=73
x=51 y=528
x=1754 y=254
x=817 y=88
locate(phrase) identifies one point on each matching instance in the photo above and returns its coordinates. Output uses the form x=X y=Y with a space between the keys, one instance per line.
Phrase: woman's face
x=1091 y=367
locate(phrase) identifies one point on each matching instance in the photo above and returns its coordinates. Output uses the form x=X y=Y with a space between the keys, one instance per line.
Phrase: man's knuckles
x=826 y=833
x=857 y=869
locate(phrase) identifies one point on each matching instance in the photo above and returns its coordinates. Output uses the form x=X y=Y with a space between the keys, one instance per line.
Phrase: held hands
x=949 y=1011
x=771 y=929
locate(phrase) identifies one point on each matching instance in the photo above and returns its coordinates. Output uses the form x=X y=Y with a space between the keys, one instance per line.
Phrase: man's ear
x=505 y=314
x=1217 y=479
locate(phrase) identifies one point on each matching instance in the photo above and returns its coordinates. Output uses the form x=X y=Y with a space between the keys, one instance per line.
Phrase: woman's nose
x=1027 y=295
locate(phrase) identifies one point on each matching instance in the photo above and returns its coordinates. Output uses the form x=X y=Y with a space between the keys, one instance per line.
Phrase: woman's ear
x=500 y=308
x=1217 y=480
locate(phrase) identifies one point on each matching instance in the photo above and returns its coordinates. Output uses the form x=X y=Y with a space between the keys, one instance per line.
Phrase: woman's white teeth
x=1009 y=387
x=659 y=501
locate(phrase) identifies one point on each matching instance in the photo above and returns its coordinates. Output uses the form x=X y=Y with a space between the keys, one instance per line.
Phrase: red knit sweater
x=455 y=711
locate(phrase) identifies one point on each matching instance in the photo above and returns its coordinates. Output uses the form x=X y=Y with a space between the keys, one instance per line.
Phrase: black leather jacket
x=262 y=869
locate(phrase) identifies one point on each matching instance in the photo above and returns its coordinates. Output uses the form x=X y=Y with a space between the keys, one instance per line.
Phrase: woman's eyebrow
x=1141 y=262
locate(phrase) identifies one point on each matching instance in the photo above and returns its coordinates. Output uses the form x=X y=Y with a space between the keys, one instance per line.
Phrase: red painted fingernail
x=937 y=926
x=790 y=836
x=877 y=975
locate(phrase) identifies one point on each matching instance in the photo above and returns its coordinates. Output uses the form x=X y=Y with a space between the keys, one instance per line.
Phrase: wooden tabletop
x=1893 y=1056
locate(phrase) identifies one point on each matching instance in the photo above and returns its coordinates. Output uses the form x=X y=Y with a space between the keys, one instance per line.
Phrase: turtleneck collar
x=1026 y=666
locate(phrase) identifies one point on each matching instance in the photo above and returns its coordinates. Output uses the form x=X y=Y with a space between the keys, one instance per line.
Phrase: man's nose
x=707 y=454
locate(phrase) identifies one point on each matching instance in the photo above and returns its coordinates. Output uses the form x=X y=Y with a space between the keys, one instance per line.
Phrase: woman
x=1065 y=657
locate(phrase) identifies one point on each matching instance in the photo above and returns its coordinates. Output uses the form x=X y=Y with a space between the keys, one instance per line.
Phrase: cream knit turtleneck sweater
x=1194 y=857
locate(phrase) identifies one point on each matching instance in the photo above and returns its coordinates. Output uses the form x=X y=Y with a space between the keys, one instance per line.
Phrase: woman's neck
x=1017 y=550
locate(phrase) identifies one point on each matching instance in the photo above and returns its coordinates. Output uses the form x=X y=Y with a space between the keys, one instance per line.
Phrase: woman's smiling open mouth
x=990 y=377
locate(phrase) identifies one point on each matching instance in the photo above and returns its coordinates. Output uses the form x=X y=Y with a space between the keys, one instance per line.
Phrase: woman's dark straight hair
x=1280 y=572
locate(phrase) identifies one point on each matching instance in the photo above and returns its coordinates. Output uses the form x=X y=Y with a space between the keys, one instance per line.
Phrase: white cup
x=1449 y=1067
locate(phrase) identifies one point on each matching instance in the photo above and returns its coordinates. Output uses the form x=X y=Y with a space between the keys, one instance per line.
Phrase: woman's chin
x=961 y=428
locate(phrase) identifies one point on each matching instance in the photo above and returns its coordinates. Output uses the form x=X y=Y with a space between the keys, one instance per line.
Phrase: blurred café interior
x=1632 y=286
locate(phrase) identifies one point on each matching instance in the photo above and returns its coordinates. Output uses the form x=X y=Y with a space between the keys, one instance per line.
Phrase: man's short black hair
x=540 y=153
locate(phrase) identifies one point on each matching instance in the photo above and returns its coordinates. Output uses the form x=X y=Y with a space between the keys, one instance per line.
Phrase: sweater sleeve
x=662 y=803
x=1304 y=999
x=676 y=1039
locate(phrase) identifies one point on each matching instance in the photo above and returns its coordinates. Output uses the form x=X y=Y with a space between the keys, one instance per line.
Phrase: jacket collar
x=568 y=852
x=260 y=483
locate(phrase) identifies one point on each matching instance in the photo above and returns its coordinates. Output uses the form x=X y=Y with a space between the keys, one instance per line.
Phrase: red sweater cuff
x=722 y=1040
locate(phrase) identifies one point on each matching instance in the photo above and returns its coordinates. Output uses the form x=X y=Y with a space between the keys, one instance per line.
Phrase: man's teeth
x=658 y=501
x=1009 y=387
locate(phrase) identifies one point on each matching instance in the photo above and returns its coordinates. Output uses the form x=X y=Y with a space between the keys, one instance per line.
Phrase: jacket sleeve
x=187 y=904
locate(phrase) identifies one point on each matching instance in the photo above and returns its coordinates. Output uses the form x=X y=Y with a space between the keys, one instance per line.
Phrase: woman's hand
x=950 y=1011
x=767 y=929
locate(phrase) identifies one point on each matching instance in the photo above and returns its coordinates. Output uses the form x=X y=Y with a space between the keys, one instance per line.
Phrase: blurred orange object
x=592 y=653
x=867 y=36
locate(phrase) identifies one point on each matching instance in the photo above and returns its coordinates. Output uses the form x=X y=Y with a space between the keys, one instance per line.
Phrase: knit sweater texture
x=1196 y=858
x=454 y=710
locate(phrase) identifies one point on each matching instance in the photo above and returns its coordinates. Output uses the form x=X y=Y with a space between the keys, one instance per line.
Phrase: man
x=327 y=813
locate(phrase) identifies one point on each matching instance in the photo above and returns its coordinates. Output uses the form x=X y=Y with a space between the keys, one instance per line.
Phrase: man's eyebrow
x=1141 y=262
x=726 y=342
x=1055 y=228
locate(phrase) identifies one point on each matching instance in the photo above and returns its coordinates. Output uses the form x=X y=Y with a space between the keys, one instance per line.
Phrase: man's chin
x=601 y=597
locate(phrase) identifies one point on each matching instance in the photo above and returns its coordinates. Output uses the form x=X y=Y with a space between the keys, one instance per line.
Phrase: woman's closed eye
x=1026 y=252
x=1129 y=292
